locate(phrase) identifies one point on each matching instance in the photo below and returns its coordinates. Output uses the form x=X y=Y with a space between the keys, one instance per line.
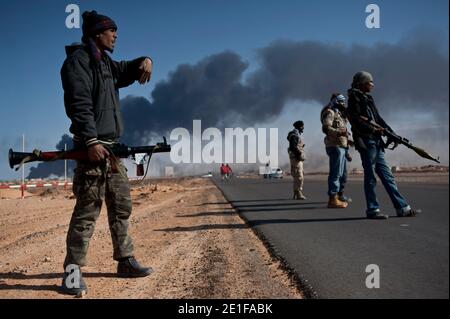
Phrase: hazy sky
x=173 y=32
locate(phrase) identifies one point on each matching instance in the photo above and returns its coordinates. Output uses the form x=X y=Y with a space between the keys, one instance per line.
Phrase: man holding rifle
x=368 y=141
x=91 y=80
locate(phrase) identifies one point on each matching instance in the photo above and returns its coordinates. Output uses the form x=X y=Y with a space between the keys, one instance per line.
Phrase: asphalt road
x=331 y=248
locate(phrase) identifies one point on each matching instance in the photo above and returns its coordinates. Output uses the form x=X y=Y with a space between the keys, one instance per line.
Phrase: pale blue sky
x=33 y=37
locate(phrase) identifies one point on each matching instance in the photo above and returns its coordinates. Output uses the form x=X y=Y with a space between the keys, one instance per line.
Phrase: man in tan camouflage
x=296 y=152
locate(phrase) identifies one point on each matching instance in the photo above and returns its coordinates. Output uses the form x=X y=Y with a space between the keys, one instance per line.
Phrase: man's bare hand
x=379 y=130
x=97 y=153
x=146 y=69
x=348 y=157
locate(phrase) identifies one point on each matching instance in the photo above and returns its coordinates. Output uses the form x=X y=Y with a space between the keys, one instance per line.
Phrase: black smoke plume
x=411 y=78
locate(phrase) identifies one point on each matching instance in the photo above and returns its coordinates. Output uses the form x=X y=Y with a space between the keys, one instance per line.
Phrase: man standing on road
x=296 y=152
x=334 y=125
x=369 y=143
x=91 y=82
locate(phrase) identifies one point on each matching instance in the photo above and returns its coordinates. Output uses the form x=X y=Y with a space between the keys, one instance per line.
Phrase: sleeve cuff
x=91 y=141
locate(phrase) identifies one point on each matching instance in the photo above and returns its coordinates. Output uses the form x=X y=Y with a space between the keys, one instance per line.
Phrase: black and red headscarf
x=93 y=24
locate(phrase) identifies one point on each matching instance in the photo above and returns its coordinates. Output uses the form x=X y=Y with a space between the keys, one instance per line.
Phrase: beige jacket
x=332 y=123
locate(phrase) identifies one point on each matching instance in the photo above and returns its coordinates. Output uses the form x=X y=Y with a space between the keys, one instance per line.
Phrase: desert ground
x=183 y=228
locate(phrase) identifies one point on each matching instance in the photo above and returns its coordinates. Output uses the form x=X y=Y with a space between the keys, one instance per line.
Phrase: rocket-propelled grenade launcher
x=395 y=139
x=116 y=151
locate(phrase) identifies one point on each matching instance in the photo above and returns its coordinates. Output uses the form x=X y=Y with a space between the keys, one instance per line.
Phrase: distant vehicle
x=208 y=175
x=276 y=173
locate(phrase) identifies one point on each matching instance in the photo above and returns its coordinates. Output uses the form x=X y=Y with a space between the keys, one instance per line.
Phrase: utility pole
x=65 y=168
x=23 y=168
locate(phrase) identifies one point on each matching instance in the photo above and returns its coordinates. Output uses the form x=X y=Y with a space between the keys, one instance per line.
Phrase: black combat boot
x=130 y=268
x=376 y=214
x=409 y=213
x=73 y=282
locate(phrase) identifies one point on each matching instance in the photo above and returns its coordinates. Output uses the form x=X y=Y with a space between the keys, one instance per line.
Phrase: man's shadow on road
x=295 y=207
x=55 y=288
x=254 y=223
x=237 y=202
x=282 y=207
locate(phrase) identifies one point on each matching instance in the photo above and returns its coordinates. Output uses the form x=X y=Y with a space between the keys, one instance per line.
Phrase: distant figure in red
x=225 y=171
x=229 y=171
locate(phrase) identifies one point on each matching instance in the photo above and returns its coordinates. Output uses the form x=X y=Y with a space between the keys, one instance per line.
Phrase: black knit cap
x=94 y=23
x=298 y=124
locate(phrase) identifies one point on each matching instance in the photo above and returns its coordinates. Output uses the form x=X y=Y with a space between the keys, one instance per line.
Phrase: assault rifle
x=395 y=139
x=116 y=151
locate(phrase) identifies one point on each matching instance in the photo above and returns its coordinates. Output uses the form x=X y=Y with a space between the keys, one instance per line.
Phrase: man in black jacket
x=91 y=80
x=370 y=145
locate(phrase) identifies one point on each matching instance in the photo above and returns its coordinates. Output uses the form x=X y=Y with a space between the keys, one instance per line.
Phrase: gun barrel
x=401 y=140
x=158 y=148
x=15 y=158
x=419 y=151
x=424 y=154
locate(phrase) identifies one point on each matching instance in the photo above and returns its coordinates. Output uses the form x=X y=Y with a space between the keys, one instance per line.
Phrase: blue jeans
x=338 y=170
x=373 y=162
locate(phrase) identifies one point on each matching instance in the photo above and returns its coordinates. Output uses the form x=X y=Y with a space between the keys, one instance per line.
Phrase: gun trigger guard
x=394 y=146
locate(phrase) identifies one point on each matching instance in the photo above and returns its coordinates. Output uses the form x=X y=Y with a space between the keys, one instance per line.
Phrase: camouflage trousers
x=92 y=184
x=297 y=174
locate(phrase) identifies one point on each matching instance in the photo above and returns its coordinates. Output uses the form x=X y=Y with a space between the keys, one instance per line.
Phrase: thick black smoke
x=410 y=76
x=211 y=90
x=47 y=169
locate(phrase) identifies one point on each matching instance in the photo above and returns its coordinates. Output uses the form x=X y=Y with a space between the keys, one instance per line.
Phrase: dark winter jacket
x=363 y=104
x=91 y=94
x=296 y=147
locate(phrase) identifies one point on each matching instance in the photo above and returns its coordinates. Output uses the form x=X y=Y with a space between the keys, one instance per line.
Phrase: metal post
x=65 y=168
x=23 y=168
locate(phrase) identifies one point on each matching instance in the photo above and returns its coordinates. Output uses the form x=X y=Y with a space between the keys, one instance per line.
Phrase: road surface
x=331 y=248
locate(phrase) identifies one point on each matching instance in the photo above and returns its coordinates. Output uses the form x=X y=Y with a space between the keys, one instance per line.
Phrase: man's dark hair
x=298 y=124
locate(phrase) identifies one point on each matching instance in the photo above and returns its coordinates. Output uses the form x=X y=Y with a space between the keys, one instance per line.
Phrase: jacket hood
x=358 y=92
x=73 y=47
